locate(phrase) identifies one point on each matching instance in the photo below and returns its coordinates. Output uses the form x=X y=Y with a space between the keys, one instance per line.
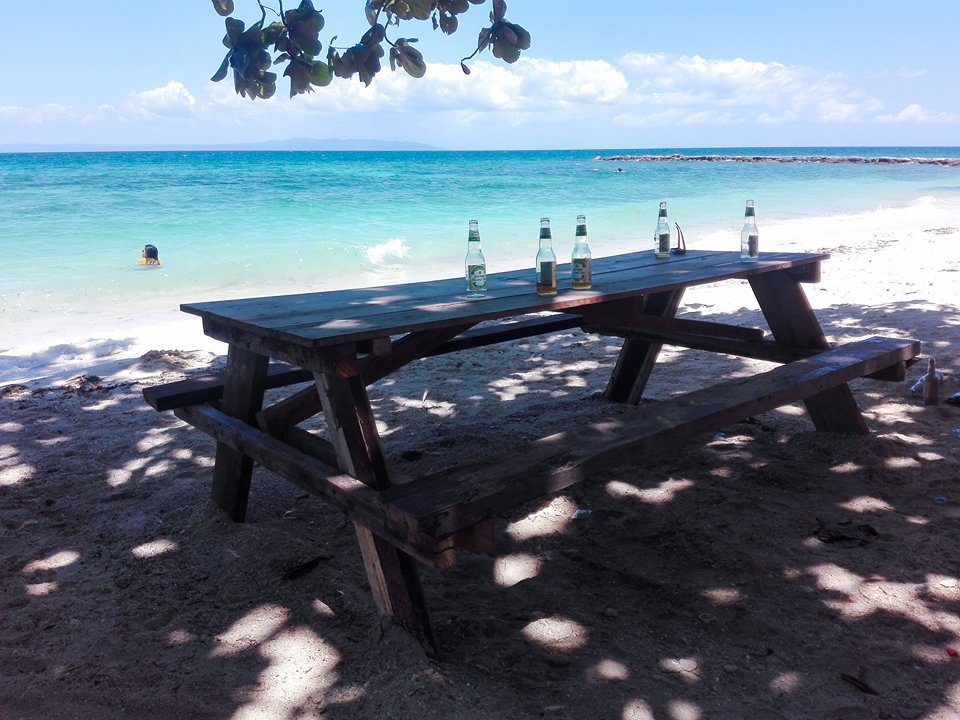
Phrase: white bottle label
x=580 y=270
x=476 y=278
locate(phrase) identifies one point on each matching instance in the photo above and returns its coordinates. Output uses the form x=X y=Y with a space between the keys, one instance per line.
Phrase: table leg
x=392 y=574
x=637 y=357
x=243 y=390
x=793 y=322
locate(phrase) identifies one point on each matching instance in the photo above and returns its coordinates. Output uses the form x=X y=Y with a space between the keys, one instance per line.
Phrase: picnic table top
x=319 y=319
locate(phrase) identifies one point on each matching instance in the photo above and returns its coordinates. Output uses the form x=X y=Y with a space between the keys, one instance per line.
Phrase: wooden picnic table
x=344 y=340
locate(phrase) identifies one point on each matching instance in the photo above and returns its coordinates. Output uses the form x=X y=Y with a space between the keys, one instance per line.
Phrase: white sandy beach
x=768 y=571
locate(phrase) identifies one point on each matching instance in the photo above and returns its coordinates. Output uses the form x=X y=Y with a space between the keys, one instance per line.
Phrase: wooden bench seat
x=209 y=388
x=430 y=516
x=453 y=500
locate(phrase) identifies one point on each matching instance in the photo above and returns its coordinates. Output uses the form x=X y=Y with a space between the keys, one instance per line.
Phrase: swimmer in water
x=150 y=255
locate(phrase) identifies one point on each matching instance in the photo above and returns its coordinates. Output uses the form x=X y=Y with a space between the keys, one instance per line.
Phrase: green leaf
x=273 y=32
x=234 y=31
x=410 y=9
x=299 y=74
x=483 y=40
x=320 y=74
x=448 y=24
x=374 y=35
x=223 y=7
x=505 y=51
x=252 y=36
x=267 y=90
x=523 y=37
x=224 y=68
x=308 y=41
x=411 y=60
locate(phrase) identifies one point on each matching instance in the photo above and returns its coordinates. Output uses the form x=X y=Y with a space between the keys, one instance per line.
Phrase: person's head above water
x=150 y=252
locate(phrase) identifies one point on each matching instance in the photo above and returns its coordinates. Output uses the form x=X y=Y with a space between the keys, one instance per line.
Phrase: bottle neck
x=546 y=237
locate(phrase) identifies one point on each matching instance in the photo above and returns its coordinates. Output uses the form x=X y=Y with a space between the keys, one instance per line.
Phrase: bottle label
x=580 y=271
x=581 y=231
x=545 y=234
x=476 y=278
x=548 y=273
x=663 y=244
x=753 y=245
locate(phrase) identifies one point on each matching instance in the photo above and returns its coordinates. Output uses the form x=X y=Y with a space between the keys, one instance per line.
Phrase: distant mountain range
x=293 y=144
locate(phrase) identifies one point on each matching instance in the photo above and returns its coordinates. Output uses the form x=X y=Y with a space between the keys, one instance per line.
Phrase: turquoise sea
x=247 y=223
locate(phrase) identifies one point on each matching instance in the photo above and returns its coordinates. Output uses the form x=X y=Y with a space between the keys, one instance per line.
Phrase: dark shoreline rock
x=823 y=159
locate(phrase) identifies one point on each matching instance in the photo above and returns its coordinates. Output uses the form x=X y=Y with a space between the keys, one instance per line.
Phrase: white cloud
x=529 y=103
x=171 y=99
x=729 y=92
x=917 y=114
x=489 y=87
x=902 y=73
x=50 y=113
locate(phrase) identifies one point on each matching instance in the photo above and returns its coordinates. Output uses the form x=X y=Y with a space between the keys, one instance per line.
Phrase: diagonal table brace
x=392 y=574
x=793 y=322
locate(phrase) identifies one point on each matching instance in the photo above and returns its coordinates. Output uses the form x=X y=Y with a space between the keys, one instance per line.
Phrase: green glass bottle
x=581 y=259
x=546 y=261
x=661 y=239
x=750 y=235
x=474 y=264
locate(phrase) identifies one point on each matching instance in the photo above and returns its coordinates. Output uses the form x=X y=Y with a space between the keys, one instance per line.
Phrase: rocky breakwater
x=824 y=159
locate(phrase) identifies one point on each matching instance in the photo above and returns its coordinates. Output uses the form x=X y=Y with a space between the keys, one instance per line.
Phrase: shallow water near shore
x=232 y=224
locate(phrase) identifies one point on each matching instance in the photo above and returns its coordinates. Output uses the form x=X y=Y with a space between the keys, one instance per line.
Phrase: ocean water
x=230 y=224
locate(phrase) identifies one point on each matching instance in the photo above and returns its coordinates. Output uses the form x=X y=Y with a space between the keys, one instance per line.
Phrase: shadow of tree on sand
x=766 y=571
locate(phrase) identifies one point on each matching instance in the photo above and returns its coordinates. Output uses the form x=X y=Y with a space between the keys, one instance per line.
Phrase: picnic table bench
x=338 y=343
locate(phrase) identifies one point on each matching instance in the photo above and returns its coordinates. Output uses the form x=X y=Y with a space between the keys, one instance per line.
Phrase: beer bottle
x=931 y=384
x=750 y=235
x=476 y=268
x=546 y=261
x=580 y=259
x=661 y=243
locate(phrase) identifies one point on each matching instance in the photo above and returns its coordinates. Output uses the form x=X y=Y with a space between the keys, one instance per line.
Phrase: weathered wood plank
x=352 y=497
x=493 y=334
x=392 y=574
x=603 y=323
x=330 y=318
x=244 y=386
x=306 y=403
x=638 y=355
x=411 y=347
x=763 y=350
x=209 y=388
x=463 y=496
x=793 y=322
x=308 y=443
x=290 y=411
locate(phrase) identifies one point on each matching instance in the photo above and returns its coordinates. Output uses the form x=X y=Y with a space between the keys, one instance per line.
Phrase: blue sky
x=600 y=74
